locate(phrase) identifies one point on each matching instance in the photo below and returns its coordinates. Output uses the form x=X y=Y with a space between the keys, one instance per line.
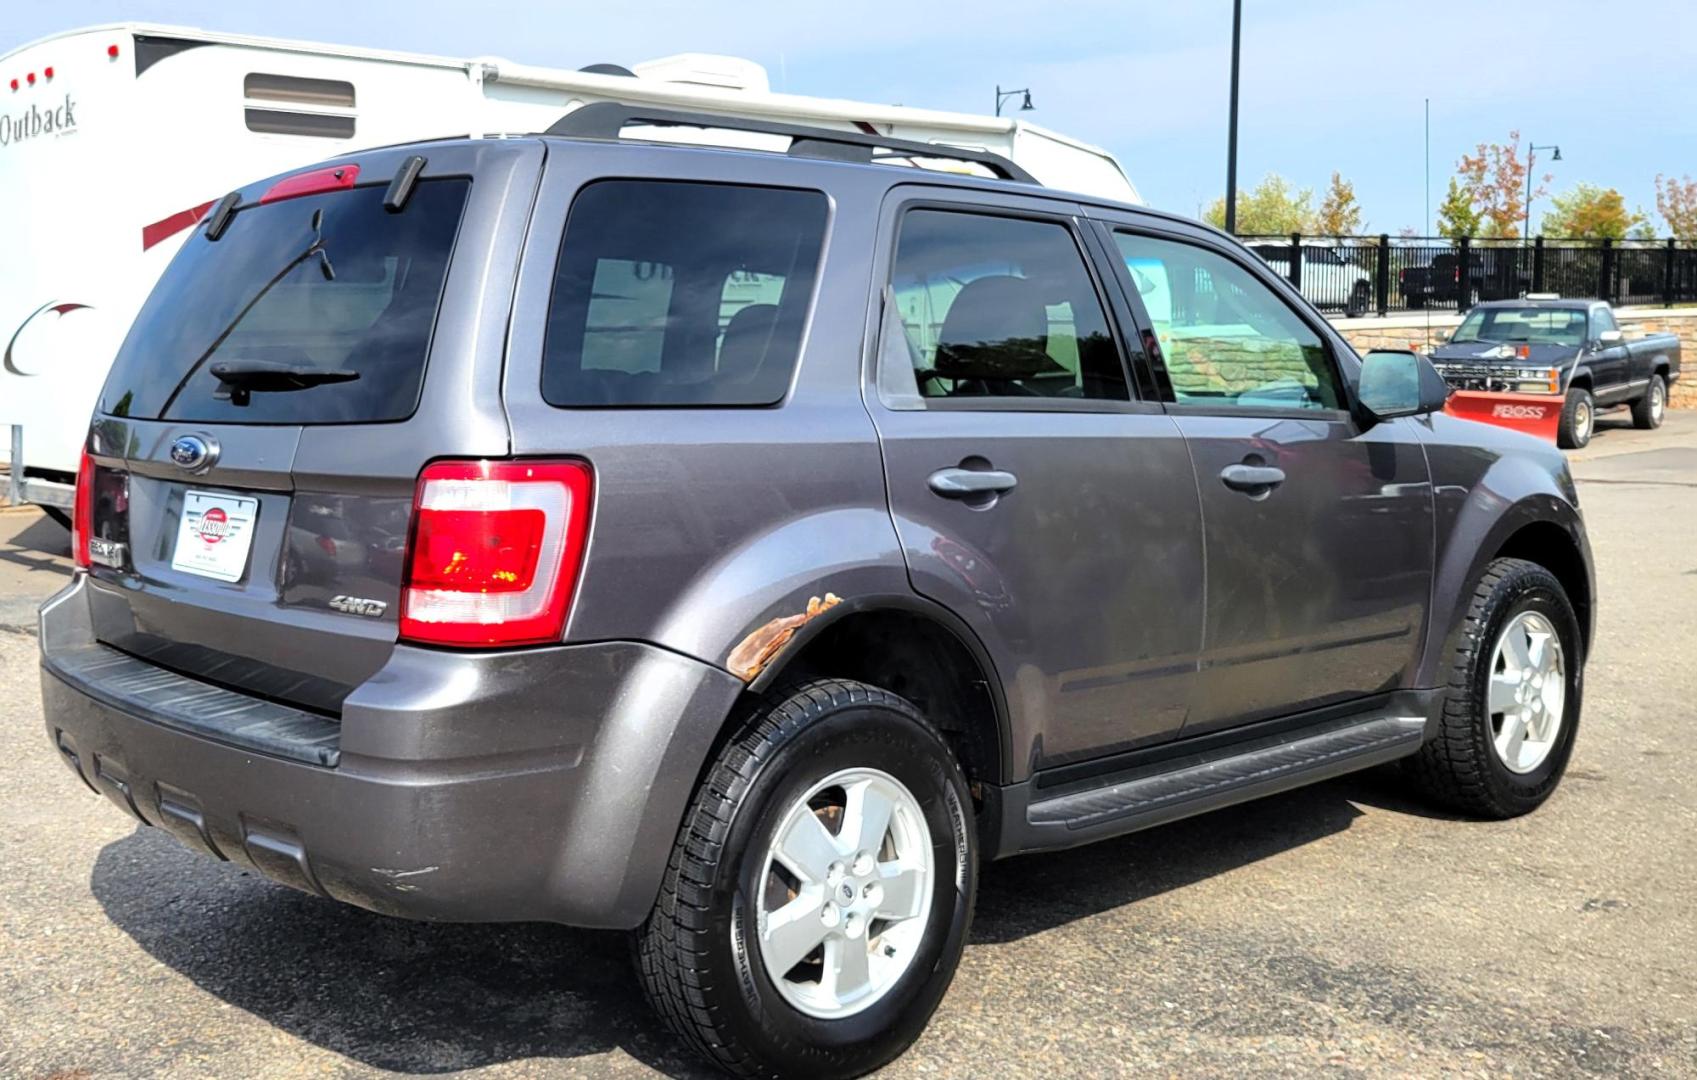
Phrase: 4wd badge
x=359 y=605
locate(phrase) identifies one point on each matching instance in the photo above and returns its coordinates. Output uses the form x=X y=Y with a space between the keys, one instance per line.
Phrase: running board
x=1076 y=813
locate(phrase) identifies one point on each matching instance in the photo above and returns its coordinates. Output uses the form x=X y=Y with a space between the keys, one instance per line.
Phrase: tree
x=1494 y=178
x=1340 y=214
x=1456 y=216
x=1676 y=201
x=1273 y=207
x=1589 y=212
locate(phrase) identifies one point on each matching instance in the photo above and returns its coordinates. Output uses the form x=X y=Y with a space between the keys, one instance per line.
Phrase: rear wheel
x=818 y=897
x=1647 y=411
x=1512 y=709
x=1360 y=298
x=1578 y=418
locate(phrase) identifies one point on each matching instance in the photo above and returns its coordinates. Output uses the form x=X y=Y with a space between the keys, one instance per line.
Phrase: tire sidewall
x=1572 y=435
x=1526 y=590
x=864 y=736
x=1652 y=414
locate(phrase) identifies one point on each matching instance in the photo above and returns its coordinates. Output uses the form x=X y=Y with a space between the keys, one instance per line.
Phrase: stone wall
x=1420 y=333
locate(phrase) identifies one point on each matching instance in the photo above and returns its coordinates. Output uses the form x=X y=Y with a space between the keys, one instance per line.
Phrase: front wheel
x=1647 y=411
x=818 y=897
x=1512 y=708
x=1578 y=418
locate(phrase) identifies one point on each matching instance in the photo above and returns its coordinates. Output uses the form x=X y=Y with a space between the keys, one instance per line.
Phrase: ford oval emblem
x=194 y=453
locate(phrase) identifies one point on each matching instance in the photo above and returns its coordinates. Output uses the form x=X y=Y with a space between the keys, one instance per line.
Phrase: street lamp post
x=1003 y=95
x=1231 y=123
x=1532 y=156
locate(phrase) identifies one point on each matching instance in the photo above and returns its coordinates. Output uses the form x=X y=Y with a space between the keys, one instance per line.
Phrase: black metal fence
x=1363 y=275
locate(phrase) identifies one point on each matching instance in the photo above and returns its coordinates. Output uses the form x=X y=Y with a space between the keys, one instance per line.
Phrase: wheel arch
x=1552 y=547
x=919 y=650
x=1540 y=527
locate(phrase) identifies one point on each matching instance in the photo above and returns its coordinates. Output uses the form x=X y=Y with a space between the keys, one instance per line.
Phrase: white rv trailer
x=115 y=140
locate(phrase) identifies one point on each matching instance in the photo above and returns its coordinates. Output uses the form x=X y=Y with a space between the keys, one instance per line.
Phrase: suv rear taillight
x=495 y=551
x=82 y=513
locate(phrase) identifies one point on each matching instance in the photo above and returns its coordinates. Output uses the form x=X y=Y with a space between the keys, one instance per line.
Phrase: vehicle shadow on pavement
x=29 y=546
x=431 y=998
x=1033 y=893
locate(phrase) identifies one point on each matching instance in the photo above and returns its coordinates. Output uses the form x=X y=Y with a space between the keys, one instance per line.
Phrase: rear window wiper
x=239 y=379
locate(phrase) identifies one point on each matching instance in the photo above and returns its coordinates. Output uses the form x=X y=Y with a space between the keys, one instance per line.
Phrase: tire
x=1463 y=768
x=1648 y=410
x=1578 y=419
x=1360 y=298
x=702 y=953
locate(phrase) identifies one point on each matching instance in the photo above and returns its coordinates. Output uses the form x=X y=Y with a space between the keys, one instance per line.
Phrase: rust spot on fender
x=757 y=651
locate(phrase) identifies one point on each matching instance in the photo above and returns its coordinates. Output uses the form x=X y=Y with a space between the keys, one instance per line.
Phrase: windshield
x=316 y=310
x=1534 y=326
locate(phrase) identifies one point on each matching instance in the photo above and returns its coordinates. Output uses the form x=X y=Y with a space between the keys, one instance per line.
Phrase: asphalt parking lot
x=1341 y=929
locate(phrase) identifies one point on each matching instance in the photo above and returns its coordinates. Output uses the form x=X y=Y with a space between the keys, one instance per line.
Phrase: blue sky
x=1327 y=84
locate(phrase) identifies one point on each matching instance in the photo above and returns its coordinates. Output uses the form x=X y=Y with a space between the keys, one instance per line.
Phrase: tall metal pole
x=1231 y=130
x=1531 y=156
x=1430 y=229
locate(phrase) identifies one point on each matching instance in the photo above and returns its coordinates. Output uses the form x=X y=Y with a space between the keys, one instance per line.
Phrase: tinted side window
x=1227 y=339
x=1001 y=307
x=681 y=294
x=1602 y=319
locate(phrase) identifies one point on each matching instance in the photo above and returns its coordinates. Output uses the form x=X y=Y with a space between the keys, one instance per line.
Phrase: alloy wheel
x=844 y=892
x=1528 y=690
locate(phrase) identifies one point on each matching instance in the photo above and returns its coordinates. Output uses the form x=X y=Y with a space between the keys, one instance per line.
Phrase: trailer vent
x=322 y=108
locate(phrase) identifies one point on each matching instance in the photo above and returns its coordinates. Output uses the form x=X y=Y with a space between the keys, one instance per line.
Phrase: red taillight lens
x=495 y=551
x=1458 y=273
x=82 y=516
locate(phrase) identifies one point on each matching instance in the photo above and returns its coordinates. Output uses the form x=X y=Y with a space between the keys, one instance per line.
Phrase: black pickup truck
x=1575 y=348
x=1493 y=274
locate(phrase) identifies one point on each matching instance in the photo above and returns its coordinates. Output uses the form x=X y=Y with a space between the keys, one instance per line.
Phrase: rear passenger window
x=681 y=294
x=1001 y=307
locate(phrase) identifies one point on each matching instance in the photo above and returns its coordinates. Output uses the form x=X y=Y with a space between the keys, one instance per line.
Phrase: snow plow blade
x=1535 y=414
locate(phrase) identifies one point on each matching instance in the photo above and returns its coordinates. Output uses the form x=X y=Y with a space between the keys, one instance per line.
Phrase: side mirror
x=1442 y=336
x=1396 y=382
x=1610 y=337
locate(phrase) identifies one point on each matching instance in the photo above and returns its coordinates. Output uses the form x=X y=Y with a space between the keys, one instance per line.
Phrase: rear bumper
x=543 y=784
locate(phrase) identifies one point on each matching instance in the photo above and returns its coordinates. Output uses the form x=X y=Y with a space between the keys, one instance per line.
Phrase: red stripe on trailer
x=165 y=228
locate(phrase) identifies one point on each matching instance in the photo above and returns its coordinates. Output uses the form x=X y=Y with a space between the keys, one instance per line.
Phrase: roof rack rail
x=606 y=119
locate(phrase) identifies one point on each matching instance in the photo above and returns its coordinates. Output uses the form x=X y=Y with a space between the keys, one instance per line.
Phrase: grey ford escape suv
x=740 y=546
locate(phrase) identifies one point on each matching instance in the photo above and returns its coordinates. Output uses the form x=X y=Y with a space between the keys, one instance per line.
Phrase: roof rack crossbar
x=606 y=119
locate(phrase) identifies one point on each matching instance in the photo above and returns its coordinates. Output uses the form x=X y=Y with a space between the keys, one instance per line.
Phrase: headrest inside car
x=995 y=329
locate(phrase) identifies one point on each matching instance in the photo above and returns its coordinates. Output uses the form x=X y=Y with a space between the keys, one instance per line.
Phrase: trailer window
x=681 y=294
x=326 y=105
x=319 y=288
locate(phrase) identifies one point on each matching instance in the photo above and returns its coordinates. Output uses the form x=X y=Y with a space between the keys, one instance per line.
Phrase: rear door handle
x=966 y=483
x=1252 y=479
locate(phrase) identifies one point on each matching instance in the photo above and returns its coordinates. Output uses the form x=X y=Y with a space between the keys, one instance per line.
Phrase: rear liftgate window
x=318 y=310
x=681 y=294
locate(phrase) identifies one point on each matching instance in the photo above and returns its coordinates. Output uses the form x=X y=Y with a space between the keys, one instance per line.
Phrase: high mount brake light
x=316 y=182
x=495 y=551
x=82 y=513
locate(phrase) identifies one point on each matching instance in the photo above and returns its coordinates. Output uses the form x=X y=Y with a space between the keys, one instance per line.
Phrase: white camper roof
x=689 y=80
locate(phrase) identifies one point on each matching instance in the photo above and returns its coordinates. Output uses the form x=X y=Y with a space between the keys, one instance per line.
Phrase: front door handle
x=1254 y=480
x=970 y=483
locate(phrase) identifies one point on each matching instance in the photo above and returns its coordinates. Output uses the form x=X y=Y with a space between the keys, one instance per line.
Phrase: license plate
x=214 y=535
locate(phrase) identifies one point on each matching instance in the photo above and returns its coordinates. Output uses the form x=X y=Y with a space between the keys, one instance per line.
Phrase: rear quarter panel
x=709 y=522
